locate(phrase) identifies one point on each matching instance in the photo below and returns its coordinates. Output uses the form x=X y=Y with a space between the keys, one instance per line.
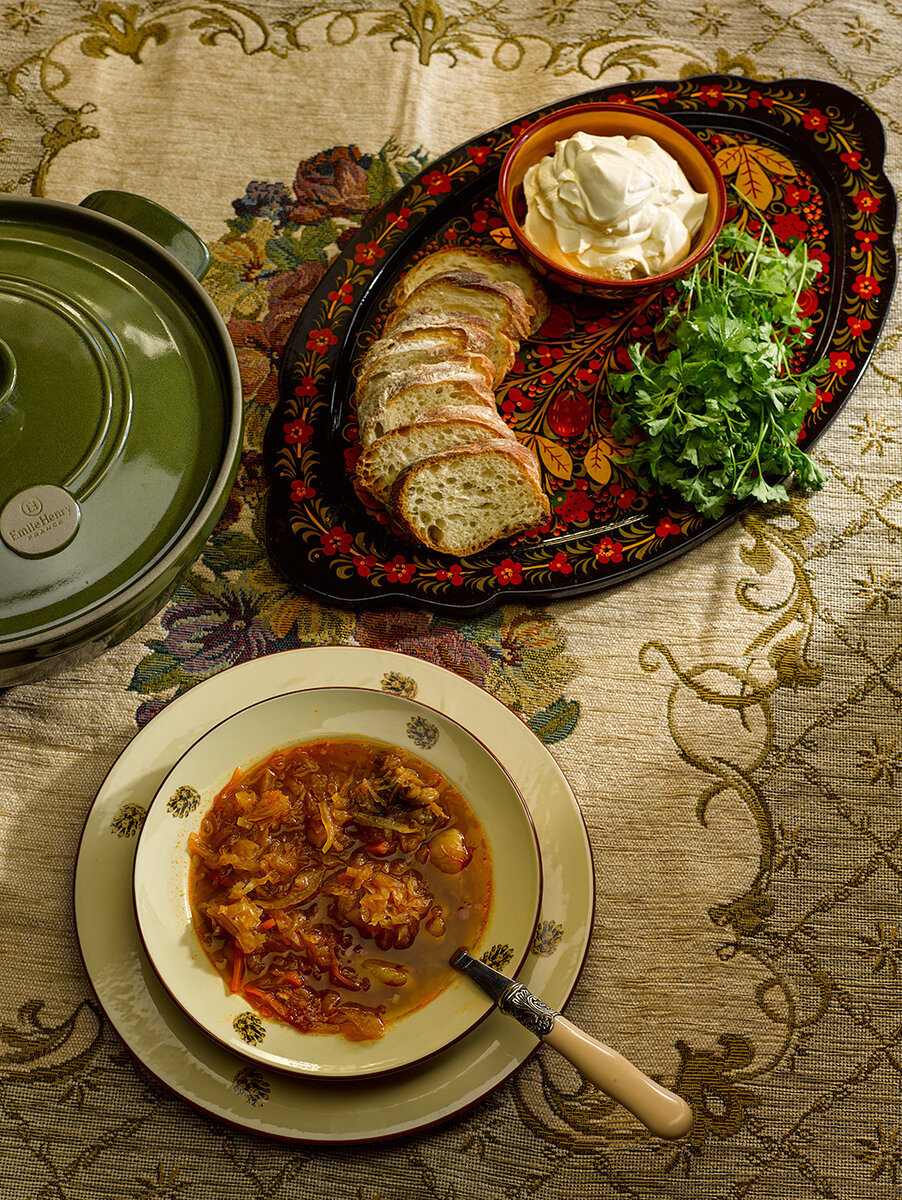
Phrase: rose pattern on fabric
x=232 y=608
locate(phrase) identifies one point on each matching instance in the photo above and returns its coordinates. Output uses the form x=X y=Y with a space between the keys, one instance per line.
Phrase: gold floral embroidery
x=424 y=24
x=873 y=433
x=709 y=19
x=878 y=590
x=792 y=850
x=120 y=33
x=862 y=34
x=880 y=761
x=707 y=1080
x=555 y=12
x=165 y=1184
x=882 y=950
x=881 y=1152
x=24 y=16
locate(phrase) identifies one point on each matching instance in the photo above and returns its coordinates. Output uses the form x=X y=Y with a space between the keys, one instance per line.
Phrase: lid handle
x=155 y=222
x=7 y=372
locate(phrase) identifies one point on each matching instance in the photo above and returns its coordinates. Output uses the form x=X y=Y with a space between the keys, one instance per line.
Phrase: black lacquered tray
x=810 y=157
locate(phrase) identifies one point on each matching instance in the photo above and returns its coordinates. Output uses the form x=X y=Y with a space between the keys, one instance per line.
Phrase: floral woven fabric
x=729 y=721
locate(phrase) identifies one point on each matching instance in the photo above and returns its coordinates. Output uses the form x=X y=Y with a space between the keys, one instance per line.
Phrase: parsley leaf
x=722 y=410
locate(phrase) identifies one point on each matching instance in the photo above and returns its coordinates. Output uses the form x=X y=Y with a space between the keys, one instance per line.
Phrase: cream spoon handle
x=661 y=1111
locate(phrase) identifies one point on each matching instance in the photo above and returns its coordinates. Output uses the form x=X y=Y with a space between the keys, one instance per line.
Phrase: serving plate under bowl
x=809 y=155
x=298 y=1108
x=162 y=859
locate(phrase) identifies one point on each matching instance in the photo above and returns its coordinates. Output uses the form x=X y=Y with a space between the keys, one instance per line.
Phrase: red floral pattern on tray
x=806 y=154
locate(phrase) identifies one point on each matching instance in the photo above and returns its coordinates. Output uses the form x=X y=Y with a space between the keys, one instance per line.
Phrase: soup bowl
x=188 y=929
x=601 y=119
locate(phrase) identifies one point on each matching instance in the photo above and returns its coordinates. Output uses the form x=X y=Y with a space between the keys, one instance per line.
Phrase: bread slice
x=477 y=413
x=503 y=267
x=480 y=337
x=426 y=389
x=385 y=371
x=502 y=304
x=377 y=389
x=440 y=428
x=413 y=347
x=460 y=501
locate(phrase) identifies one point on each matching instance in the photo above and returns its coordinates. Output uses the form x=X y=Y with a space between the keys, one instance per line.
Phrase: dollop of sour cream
x=612 y=207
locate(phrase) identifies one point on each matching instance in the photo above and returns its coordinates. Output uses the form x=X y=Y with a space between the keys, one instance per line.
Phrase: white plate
x=162 y=861
x=208 y=1076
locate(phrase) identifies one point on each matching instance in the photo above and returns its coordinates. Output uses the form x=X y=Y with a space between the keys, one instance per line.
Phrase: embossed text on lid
x=39 y=520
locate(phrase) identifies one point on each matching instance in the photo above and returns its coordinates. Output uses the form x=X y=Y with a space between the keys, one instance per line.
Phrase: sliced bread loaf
x=462 y=500
x=477 y=413
x=502 y=304
x=440 y=428
x=501 y=267
x=384 y=377
x=428 y=389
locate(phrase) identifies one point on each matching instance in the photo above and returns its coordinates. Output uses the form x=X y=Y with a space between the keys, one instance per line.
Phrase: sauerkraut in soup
x=331 y=883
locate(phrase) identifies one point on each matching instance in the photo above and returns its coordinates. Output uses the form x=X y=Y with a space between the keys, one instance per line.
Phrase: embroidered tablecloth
x=729 y=722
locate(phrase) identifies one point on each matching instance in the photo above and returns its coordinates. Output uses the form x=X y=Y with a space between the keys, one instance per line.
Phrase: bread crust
x=481 y=337
x=381 y=382
x=469 y=288
x=504 y=267
x=465 y=412
x=482 y=423
x=375 y=389
x=428 y=345
x=524 y=459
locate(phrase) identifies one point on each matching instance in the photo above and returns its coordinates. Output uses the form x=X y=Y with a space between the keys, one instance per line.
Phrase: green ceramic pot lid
x=120 y=413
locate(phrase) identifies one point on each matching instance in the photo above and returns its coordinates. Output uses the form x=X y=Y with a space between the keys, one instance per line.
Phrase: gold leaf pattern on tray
x=603 y=527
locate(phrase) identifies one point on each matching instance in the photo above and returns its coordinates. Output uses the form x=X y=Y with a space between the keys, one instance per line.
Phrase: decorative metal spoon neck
x=492 y=982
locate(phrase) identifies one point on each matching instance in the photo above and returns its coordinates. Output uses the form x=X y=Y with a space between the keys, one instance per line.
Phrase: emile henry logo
x=32 y=507
x=39 y=520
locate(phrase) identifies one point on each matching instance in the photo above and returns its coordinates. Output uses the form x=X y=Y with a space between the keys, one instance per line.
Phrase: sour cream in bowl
x=611 y=199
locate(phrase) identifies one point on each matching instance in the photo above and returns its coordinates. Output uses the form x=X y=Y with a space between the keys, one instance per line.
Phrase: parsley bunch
x=721 y=412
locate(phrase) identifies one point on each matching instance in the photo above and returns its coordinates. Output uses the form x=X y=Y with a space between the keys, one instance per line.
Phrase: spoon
x=661 y=1111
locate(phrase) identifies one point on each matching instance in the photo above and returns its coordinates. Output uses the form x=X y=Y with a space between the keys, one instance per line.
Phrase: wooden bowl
x=609 y=120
